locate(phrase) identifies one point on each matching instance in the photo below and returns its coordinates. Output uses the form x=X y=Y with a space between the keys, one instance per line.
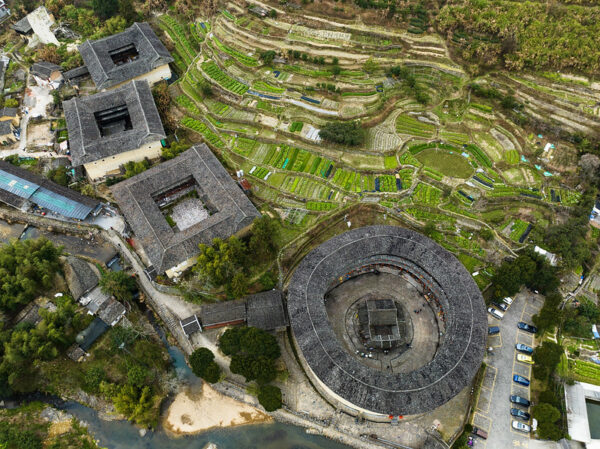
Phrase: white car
x=521 y=427
x=495 y=313
x=508 y=300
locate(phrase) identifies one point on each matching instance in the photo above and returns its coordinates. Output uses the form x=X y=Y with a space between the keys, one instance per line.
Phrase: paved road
x=492 y=412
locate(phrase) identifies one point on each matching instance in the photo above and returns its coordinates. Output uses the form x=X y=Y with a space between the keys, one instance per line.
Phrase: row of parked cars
x=498 y=309
x=524 y=353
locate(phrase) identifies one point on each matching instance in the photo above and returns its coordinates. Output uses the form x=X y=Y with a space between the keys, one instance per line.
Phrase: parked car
x=501 y=306
x=527 y=327
x=493 y=330
x=480 y=433
x=524 y=359
x=517 y=413
x=508 y=300
x=521 y=427
x=519 y=400
x=524 y=348
x=495 y=313
x=521 y=380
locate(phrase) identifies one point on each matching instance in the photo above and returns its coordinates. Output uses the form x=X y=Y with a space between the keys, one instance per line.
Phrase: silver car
x=521 y=427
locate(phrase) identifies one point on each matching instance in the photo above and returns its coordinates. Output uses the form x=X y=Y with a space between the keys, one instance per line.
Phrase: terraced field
x=433 y=158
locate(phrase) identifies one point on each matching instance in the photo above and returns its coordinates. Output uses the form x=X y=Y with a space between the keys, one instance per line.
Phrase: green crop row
x=199 y=127
x=479 y=154
x=433 y=173
x=241 y=57
x=517 y=229
x=214 y=72
x=409 y=159
x=179 y=37
x=359 y=94
x=406 y=124
x=187 y=103
x=390 y=162
x=320 y=205
x=266 y=87
x=589 y=370
x=427 y=194
x=482 y=107
x=296 y=126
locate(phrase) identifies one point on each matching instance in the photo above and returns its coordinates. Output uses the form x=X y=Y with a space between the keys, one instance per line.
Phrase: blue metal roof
x=43 y=197
x=60 y=204
x=17 y=186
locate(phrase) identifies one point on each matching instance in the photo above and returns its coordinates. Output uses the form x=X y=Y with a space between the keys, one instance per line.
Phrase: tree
x=253 y=367
x=263 y=240
x=218 y=263
x=547 y=415
x=162 y=99
x=59 y=175
x=88 y=190
x=267 y=57
x=370 y=65
x=11 y=103
x=346 y=133
x=93 y=378
x=127 y=10
x=119 y=284
x=546 y=358
x=27 y=268
x=429 y=228
x=174 y=150
x=105 y=8
x=136 y=376
x=590 y=167
x=136 y=404
x=269 y=397
x=239 y=285
x=336 y=70
x=273 y=14
x=203 y=365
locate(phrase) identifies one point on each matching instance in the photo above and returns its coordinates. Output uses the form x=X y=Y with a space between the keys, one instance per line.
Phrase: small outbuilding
x=47 y=74
x=190 y=325
x=90 y=334
x=225 y=313
x=265 y=310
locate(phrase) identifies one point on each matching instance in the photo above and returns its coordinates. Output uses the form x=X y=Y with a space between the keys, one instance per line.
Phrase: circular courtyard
x=387 y=322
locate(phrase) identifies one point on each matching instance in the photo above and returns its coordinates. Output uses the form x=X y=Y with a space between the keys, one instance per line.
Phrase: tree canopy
x=202 y=362
x=253 y=353
x=119 y=284
x=269 y=397
x=345 y=133
x=27 y=268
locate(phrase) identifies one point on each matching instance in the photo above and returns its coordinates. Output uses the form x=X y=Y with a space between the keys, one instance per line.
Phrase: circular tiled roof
x=462 y=346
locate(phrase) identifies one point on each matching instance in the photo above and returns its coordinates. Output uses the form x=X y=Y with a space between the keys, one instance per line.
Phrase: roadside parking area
x=492 y=410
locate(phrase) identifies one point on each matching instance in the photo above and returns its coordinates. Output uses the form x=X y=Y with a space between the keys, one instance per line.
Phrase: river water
x=122 y=434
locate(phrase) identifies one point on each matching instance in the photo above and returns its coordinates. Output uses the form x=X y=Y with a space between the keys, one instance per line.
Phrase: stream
x=121 y=434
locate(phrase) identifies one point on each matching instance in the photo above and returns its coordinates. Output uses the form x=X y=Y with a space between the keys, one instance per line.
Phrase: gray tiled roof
x=22 y=26
x=5 y=127
x=223 y=312
x=85 y=141
x=265 y=310
x=80 y=276
x=462 y=346
x=44 y=69
x=151 y=54
x=165 y=248
x=76 y=72
x=8 y=112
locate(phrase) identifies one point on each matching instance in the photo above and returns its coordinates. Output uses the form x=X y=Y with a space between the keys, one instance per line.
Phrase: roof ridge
x=137 y=95
x=80 y=125
x=137 y=25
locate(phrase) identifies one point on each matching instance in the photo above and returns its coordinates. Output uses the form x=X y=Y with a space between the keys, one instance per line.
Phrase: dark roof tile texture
x=164 y=247
x=105 y=73
x=265 y=310
x=461 y=350
x=85 y=140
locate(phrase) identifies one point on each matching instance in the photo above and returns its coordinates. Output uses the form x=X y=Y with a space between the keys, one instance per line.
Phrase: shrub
x=202 y=362
x=269 y=397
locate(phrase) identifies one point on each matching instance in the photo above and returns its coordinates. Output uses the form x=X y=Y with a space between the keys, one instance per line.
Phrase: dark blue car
x=527 y=327
x=519 y=400
x=521 y=380
x=519 y=414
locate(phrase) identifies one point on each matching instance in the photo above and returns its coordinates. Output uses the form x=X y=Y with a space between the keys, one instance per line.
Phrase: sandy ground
x=197 y=412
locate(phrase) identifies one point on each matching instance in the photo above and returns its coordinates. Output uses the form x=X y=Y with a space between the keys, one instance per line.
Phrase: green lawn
x=449 y=164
